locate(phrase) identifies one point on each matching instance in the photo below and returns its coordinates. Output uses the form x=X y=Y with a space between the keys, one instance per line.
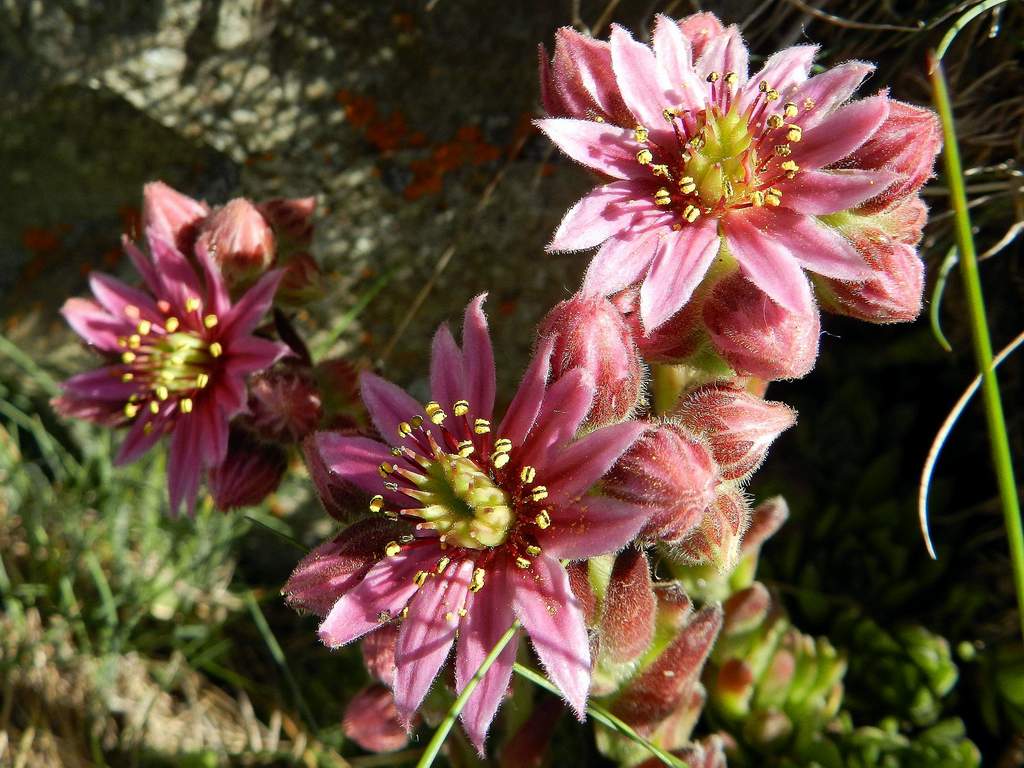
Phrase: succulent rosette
x=478 y=514
x=177 y=355
x=710 y=170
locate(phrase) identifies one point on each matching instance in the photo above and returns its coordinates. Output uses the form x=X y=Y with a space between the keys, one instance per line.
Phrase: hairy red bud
x=627 y=626
x=372 y=720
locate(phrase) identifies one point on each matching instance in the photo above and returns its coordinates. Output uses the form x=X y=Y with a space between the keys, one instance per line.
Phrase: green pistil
x=463 y=504
x=718 y=160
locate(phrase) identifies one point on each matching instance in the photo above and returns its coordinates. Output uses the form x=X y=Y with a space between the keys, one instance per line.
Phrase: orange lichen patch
x=359 y=110
x=523 y=130
x=40 y=240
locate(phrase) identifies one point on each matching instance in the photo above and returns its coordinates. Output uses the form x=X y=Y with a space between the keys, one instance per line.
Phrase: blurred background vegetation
x=127 y=638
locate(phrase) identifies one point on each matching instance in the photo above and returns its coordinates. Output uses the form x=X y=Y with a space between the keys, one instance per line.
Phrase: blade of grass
x=937 y=293
x=279 y=534
x=279 y=658
x=963 y=21
x=604 y=717
x=1001 y=458
x=437 y=740
x=27 y=364
x=324 y=347
x=940 y=440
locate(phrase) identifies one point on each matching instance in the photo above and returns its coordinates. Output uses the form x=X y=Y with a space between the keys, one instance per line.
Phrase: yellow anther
x=661 y=170
x=210 y=321
x=396 y=451
x=154 y=407
x=186 y=405
x=476 y=581
x=539 y=493
x=763 y=86
x=127 y=357
x=449 y=617
x=499 y=459
x=543 y=519
x=130 y=409
x=775 y=121
x=420 y=578
x=416 y=422
x=466 y=448
x=202 y=380
x=126 y=377
x=691 y=213
x=790 y=167
x=794 y=133
x=391 y=485
x=790 y=109
x=384 y=617
x=384 y=469
x=434 y=412
x=662 y=197
x=669 y=114
x=404 y=429
x=406 y=539
x=772 y=95
x=134 y=341
x=481 y=426
x=171 y=324
x=144 y=327
x=463 y=612
x=162 y=392
x=131 y=311
x=390 y=514
x=147 y=428
x=687 y=185
x=808 y=105
x=533 y=549
x=392 y=548
x=773 y=196
x=442 y=564
x=713 y=77
x=191 y=304
x=376 y=503
x=640 y=134
x=731 y=78
x=404 y=613
x=122 y=342
x=527 y=474
x=522 y=562
x=783 y=150
x=504 y=445
x=461 y=407
x=216 y=350
x=644 y=156
x=758 y=199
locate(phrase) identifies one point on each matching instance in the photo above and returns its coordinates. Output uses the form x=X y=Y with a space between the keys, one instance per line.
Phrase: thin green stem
x=604 y=717
x=430 y=753
x=1002 y=460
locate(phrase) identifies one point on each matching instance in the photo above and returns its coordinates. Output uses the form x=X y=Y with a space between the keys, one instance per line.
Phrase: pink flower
x=712 y=169
x=372 y=720
x=240 y=241
x=590 y=333
x=177 y=356
x=484 y=512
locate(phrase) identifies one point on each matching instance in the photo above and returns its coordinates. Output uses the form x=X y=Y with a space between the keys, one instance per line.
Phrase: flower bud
x=716 y=540
x=738 y=426
x=340 y=499
x=699 y=29
x=372 y=720
x=758 y=337
x=672 y=473
x=589 y=333
x=627 y=626
x=302 y=281
x=579 y=81
x=747 y=609
x=906 y=143
x=707 y=753
x=673 y=341
x=240 y=241
x=529 y=744
x=291 y=218
x=171 y=215
x=378 y=649
x=250 y=472
x=284 y=404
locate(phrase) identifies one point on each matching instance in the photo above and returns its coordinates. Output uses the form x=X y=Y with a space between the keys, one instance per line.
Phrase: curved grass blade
x=324 y=346
x=963 y=21
x=937 y=293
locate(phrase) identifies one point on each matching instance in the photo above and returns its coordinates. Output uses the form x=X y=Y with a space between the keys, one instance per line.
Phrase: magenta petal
x=606 y=210
x=183 y=466
x=178 y=280
x=213 y=425
x=576 y=468
x=566 y=403
x=602 y=147
x=553 y=618
x=94 y=324
x=822 y=192
x=388 y=405
x=218 y=301
x=384 y=591
x=142 y=265
x=251 y=353
x=840 y=133
x=783 y=71
x=620 y=262
x=522 y=411
x=645 y=87
x=447 y=384
x=356 y=460
x=592 y=526
x=478 y=359
x=138 y=440
x=123 y=301
x=828 y=90
x=100 y=384
x=250 y=309
x=675 y=55
x=768 y=264
x=682 y=261
x=725 y=53
x=427 y=634
x=815 y=246
x=489 y=617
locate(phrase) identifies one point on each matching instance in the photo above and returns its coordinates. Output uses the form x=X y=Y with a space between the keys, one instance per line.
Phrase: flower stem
x=1001 y=458
x=430 y=753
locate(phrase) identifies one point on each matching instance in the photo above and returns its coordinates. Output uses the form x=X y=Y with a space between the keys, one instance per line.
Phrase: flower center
x=463 y=504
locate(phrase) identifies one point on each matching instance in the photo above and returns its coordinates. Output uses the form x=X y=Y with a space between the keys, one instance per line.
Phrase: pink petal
x=123 y=301
x=842 y=132
x=251 y=353
x=427 y=634
x=382 y=593
x=388 y=405
x=620 y=262
x=94 y=324
x=828 y=90
x=212 y=426
x=783 y=71
x=593 y=60
x=478 y=359
x=592 y=526
x=489 y=617
x=682 y=261
x=522 y=411
x=218 y=301
x=814 y=245
x=142 y=265
x=178 y=280
x=553 y=618
x=605 y=211
x=576 y=468
x=138 y=440
x=600 y=146
x=566 y=404
x=100 y=384
x=447 y=384
x=253 y=305
x=723 y=54
x=356 y=460
x=822 y=192
x=768 y=264
x=372 y=721
x=674 y=53
x=645 y=87
x=183 y=466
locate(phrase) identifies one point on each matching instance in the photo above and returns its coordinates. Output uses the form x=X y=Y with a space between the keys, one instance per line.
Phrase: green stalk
x=1000 y=444
x=430 y=753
